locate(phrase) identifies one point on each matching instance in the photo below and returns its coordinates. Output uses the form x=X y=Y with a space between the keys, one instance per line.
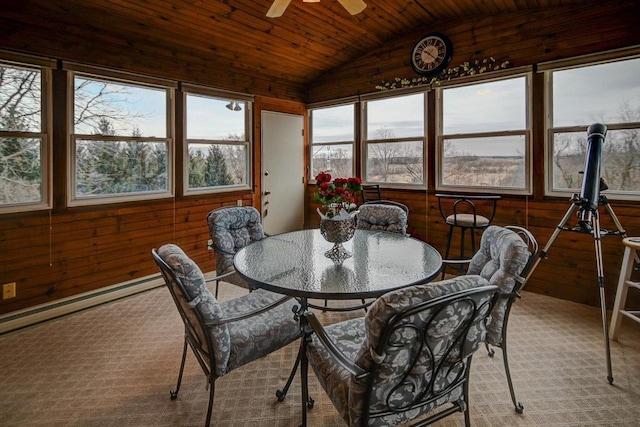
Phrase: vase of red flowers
x=339 y=210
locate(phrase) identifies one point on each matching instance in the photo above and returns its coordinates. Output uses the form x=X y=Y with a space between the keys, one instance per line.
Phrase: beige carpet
x=114 y=366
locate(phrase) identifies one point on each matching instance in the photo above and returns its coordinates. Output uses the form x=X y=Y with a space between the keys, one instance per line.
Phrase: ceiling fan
x=278 y=7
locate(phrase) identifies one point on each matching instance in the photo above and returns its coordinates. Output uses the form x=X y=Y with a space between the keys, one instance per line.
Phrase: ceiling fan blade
x=277 y=8
x=353 y=6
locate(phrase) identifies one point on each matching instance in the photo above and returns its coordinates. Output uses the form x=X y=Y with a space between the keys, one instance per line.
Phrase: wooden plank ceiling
x=235 y=37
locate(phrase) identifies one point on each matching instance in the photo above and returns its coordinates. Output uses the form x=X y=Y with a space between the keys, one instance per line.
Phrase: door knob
x=266 y=173
x=266 y=193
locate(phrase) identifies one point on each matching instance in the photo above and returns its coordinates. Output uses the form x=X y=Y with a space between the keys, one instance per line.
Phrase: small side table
x=632 y=244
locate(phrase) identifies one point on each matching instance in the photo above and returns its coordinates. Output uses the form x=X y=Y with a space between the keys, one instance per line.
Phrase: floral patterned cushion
x=198 y=297
x=232 y=228
x=395 y=377
x=382 y=217
x=501 y=259
x=259 y=335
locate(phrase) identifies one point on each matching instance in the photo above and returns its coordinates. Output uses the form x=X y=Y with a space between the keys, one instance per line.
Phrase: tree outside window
x=120 y=139
x=22 y=137
x=217 y=146
x=579 y=99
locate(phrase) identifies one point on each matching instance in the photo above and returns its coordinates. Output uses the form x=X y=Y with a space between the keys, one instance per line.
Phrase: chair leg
x=446 y=252
x=490 y=351
x=174 y=393
x=464 y=230
x=212 y=389
x=217 y=286
x=467 y=417
x=517 y=405
x=281 y=394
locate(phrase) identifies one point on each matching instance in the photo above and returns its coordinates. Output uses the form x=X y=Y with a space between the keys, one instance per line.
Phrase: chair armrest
x=347 y=364
x=456 y=261
x=248 y=314
x=220 y=277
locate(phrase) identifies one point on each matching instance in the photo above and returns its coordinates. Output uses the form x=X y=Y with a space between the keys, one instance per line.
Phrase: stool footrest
x=633 y=315
x=633 y=284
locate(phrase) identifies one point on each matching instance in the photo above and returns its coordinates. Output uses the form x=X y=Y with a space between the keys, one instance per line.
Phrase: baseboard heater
x=40 y=313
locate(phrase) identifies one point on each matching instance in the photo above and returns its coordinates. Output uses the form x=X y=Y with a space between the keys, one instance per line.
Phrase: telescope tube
x=590 y=193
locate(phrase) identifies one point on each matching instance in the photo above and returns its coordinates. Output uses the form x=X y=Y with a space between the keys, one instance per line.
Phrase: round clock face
x=431 y=54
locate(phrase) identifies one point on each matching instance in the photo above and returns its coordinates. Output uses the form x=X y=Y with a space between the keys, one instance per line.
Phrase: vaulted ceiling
x=235 y=37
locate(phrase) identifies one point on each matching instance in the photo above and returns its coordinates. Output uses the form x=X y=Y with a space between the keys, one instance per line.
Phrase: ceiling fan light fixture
x=353 y=6
x=279 y=6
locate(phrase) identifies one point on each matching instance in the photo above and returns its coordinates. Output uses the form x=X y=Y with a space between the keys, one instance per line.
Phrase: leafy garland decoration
x=468 y=68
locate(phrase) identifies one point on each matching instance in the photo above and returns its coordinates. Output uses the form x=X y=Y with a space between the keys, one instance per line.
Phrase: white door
x=282 y=172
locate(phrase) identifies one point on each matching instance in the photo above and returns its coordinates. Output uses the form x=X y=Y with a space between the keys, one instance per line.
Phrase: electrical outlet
x=9 y=290
x=210 y=244
x=239 y=202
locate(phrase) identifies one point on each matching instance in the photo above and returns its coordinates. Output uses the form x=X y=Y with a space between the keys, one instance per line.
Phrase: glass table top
x=294 y=264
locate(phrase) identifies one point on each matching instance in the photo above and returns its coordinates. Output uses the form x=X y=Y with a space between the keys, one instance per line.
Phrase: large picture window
x=24 y=137
x=121 y=140
x=332 y=140
x=578 y=98
x=217 y=150
x=394 y=140
x=483 y=136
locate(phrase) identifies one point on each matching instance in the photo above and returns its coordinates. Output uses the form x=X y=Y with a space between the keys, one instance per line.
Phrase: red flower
x=323 y=177
x=354 y=180
x=337 y=195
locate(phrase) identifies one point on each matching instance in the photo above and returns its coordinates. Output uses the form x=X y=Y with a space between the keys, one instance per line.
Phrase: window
x=607 y=93
x=121 y=139
x=332 y=140
x=394 y=140
x=24 y=137
x=483 y=136
x=217 y=149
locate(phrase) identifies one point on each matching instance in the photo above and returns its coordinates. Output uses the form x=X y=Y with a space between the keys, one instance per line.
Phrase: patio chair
x=223 y=335
x=504 y=258
x=232 y=228
x=384 y=215
x=409 y=357
x=370 y=192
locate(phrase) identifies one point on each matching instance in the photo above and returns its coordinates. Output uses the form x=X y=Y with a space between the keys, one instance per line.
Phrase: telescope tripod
x=590 y=225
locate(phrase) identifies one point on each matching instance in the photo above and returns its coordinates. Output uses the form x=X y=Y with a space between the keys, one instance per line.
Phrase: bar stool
x=465 y=215
x=632 y=244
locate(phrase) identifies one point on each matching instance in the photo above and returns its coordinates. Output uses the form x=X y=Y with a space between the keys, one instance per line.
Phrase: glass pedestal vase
x=338 y=231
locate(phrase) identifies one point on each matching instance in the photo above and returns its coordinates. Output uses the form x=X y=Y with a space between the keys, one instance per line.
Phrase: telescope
x=592 y=182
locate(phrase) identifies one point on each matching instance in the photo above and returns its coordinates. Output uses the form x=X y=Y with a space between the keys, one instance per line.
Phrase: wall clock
x=431 y=54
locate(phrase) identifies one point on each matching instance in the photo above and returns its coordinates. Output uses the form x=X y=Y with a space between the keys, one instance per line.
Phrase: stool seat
x=467 y=220
x=632 y=244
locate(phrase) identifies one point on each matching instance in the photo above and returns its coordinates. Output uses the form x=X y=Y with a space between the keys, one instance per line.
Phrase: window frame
x=365 y=142
x=337 y=103
x=117 y=77
x=45 y=67
x=440 y=137
x=585 y=61
x=244 y=99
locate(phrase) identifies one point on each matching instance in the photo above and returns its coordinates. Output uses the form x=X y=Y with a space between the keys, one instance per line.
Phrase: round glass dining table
x=294 y=264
